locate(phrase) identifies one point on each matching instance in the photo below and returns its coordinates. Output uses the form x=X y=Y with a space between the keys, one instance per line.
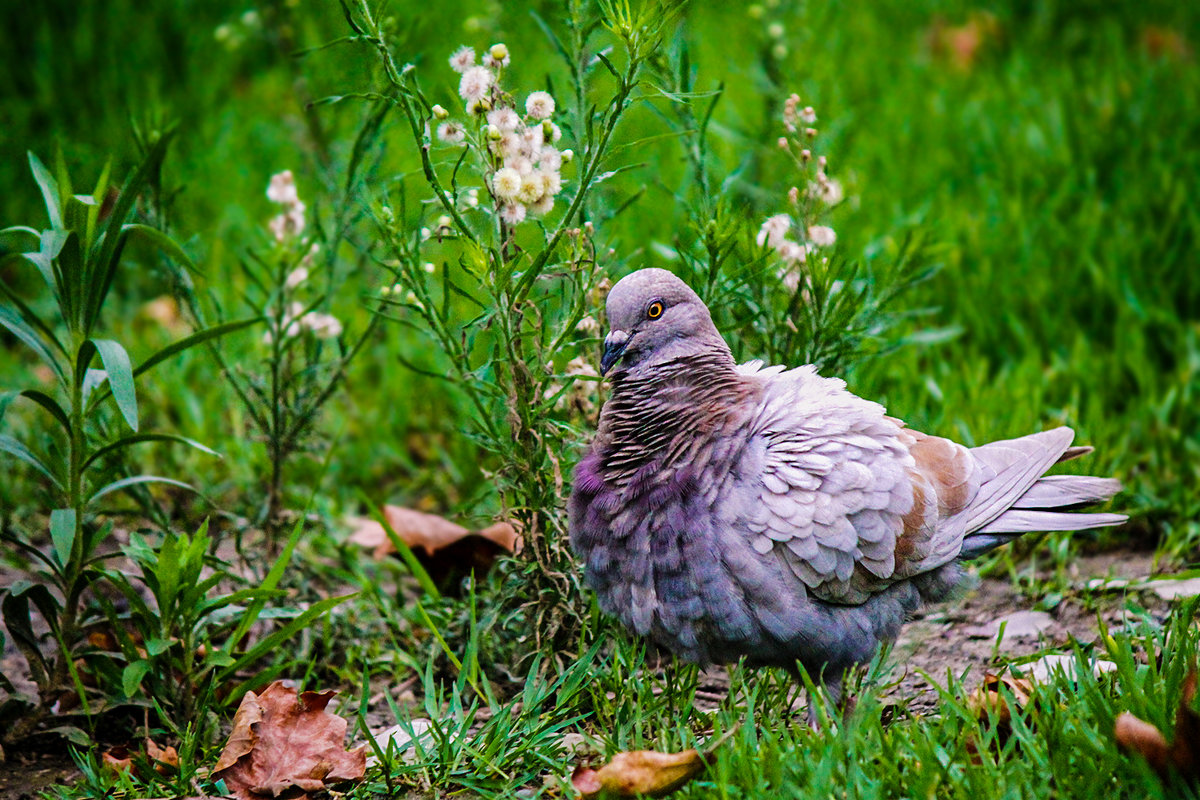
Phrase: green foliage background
x=1056 y=174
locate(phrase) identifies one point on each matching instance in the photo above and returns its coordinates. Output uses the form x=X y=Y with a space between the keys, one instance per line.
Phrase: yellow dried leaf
x=639 y=772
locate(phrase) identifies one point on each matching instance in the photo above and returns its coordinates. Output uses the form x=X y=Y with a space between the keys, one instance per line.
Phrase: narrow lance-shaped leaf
x=22 y=330
x=14 y=448
x=120 y=378
x=49 y=187
x=49 y=404
x=62 y=533
x=138 y=438
x=208 y=334
x=125 y=483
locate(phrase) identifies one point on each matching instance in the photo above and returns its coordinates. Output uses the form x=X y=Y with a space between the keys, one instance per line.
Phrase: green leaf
x=108 y=256
x=14 y=448
x=157 y=646
x=120 y=378
x=162 y=241
x=131 y=677
x=189 y=342
x=23 y=331
x=125 y=483
x=21 y=229
x=50 y=404
x=49 y=187
x=62 y=533
x=268 y=584
x=138 y=438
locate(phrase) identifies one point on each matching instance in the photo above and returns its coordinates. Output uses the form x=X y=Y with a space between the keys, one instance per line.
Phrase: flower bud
x=499 y=51
x=568 y=156
x=810 y=133
x=775 y=30
x=494 y=133
x=782 y=142
x=805 y=154
x=439 y=112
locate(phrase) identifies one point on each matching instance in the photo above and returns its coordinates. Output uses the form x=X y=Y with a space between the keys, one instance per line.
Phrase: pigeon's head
x=655 y=317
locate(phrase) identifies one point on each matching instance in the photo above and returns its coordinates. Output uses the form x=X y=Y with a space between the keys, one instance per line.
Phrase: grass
x=1052 y=176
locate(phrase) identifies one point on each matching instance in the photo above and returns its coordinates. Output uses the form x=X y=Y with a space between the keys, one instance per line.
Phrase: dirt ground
x=956 y=637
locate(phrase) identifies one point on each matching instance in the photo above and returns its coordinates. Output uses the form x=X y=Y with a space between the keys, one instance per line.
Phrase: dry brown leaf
x=165 y=759
x=960 y=45
x=118 y=759
x=988 y=702
x=282 y=741
x=1139 y=736
x=164 y=310
x=447 y=550
x=640 y=772
x=1166 y=43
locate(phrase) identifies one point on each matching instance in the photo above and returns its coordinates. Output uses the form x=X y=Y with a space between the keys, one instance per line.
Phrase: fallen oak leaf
x=1183 y=756
x=118 y=759
x=639 y=772
x=282 y=741
x=988 y=700
x=165 y=759
x=446 y=550
x=989 y=703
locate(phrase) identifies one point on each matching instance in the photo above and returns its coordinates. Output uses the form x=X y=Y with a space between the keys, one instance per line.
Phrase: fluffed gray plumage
x=730 y=511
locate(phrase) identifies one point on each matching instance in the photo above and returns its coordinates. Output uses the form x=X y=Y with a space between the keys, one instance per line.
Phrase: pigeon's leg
x=833 y=688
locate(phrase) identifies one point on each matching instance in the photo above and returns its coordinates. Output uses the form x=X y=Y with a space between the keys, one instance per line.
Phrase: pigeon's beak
x=614 y=348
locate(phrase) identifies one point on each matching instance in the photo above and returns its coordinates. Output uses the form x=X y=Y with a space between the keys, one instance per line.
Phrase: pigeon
x=731 y=512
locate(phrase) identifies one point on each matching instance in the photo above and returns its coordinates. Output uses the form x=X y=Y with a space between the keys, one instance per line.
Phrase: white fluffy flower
x=451 y=133
x=513 y=214
x=539 y=105
x=475 y=83
x=588 y=326
x=531 y=189
x=508 y=146
x=773 y=230
x=808 y=115
x=296 y=277
x=532 y=141
x=290 y=323
x=463 y=59
x=555 y=132
x=543 y=205
x=550 y=159
x=504 y=118
x=791 y=252
x=506 y=183
x=323 y=326
x=282 y=188
x=521 y=164
x=551 y=181
x=821 y=235
x=288 y=224
x=827 y=189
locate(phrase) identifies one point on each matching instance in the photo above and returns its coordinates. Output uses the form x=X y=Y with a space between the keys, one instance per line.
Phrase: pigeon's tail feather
x=1015 y=497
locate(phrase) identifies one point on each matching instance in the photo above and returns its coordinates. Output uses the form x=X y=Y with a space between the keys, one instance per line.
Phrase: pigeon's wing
x=850 y=500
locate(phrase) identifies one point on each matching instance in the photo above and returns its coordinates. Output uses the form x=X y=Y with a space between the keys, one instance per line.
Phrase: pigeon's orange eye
x=655 y=310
